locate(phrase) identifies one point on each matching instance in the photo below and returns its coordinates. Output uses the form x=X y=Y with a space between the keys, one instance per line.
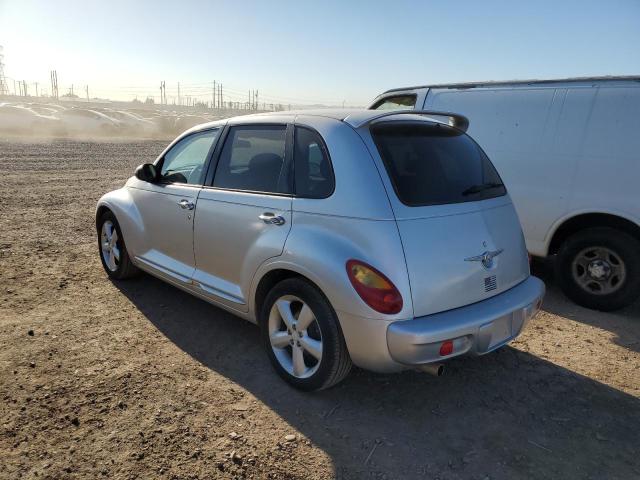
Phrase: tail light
x=446 y=348
x=374 y=288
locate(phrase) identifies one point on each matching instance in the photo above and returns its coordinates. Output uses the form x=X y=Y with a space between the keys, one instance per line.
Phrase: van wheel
x=599 y=268
x=302 y=336
x=113 y=252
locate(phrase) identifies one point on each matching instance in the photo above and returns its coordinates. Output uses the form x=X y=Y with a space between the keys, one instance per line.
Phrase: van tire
x=335 y=363
x=624 y=246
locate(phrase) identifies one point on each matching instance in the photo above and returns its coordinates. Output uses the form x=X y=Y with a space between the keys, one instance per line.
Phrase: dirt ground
x=140 y=380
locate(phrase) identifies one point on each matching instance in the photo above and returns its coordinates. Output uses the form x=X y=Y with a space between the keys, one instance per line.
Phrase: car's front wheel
x=113 y=251
x=302 y=336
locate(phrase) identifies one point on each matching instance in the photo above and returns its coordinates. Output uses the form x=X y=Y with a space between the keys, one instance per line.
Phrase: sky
x=304 y=52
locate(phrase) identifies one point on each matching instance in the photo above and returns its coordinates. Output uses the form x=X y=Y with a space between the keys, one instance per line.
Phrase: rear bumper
x=475 y=329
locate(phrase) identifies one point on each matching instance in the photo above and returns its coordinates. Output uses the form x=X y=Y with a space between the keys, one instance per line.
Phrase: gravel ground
x=140 y=380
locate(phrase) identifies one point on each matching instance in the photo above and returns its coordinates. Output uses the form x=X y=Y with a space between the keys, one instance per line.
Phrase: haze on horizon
x=307 y=53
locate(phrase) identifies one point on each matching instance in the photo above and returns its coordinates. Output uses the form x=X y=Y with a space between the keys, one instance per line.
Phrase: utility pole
x=257 y=101
x=213 y=95
x=163 y=93
x=87 y=91
x=4 y=88
x=24 y=88
x=179 y=101
x=37 y=89
x=54 y=84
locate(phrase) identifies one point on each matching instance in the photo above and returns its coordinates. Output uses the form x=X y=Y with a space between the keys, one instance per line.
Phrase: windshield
x=434 y=164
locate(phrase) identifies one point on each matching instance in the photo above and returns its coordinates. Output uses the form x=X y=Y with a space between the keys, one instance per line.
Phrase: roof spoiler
x=453 y=119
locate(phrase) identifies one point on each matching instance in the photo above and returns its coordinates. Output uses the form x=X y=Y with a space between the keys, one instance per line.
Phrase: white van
x=569 y=153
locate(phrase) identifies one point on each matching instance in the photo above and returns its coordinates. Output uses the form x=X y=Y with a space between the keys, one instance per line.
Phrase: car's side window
x=398 y=102
x=313 y=173
x=253 y=159
x=184 y=163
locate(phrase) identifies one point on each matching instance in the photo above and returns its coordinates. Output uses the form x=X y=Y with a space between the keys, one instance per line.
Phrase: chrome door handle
x=186 y=204
x=268 y=217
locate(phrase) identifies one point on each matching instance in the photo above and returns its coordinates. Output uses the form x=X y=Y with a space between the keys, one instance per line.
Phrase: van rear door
x=460 y=233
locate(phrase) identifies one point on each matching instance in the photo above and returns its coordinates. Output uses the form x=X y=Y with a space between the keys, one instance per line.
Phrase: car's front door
x=167 y=208
x=244 y=213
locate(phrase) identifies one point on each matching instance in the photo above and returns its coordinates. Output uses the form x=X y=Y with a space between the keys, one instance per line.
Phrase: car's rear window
x=434 y=164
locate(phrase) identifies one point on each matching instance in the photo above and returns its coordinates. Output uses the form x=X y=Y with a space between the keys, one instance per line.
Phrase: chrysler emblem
x=486 y=258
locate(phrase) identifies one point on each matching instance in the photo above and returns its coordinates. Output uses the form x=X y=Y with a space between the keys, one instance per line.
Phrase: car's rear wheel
x=302 y=336
x=113 y=251
x=599 y=268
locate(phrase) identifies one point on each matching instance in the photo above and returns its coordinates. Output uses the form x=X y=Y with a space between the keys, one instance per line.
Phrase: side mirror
x=147 y=172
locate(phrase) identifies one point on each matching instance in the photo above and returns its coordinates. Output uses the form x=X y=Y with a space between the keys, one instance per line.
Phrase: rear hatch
x=461 y=235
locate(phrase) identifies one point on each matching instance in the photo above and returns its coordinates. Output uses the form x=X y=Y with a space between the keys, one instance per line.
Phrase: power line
x=204 y=89
x=210 y=94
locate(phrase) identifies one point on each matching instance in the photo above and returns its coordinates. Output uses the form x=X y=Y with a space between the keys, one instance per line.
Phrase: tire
x=604 y=251
x=293 y=295
x=122 y=267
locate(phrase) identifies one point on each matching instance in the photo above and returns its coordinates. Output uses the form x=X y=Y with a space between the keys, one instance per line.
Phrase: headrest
x=264 y=161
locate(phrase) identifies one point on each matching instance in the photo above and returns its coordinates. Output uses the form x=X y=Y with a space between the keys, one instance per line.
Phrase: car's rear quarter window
x=434 y=164
x=313 y=172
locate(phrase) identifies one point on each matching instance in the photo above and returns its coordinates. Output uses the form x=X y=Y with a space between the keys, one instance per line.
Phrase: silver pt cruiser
x=382 y=239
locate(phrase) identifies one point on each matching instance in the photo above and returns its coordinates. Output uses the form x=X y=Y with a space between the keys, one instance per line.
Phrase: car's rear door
x=243 y=213
x=167 y=208
x=460 y=233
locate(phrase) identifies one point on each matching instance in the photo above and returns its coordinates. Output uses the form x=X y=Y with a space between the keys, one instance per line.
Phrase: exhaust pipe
x=435 y=369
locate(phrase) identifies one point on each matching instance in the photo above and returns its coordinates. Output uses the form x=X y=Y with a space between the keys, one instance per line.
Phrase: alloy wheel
x=295 y=336
x=109 y=245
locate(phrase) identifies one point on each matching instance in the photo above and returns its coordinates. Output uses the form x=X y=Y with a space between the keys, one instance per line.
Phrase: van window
x=313 y=173
x=398 y=102
x=434 y=164
x=253 y=159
